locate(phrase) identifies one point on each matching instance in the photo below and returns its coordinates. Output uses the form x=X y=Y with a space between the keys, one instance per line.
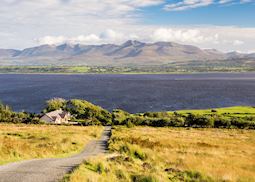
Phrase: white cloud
x=112 y=36
x=245 y=1
x=108 y=36
x=51 y=40
x=81 y=39
x=225 y=1
x=238 y=42
x=218 y=37
x=183 y=36
x=187 y=4
x=191 y=4
x=142 y=3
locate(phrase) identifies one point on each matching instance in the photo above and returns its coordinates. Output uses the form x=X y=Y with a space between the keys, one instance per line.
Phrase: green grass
x=241 y=111
x=78 y=69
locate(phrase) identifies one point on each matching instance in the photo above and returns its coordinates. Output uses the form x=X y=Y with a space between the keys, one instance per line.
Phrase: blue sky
x=226 y=25
x=229 y=14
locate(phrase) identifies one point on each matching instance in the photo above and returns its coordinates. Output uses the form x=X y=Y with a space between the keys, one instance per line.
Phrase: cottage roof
x=57 y=113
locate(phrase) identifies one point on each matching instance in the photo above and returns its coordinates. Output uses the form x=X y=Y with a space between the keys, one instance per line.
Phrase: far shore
x=122 y=73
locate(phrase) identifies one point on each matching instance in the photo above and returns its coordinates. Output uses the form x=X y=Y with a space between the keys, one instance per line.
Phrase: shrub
x=121 y=175
x=199 y=120
x=129 y=124
x=221 y=121
x=5 y=113
x=240 y=123
x=191 y=176
x=136 y=152
x=160 y=122
x=133 y=150
x=136 y=120
x=88 y=122
x=36 y=120
x=156 y=114
x=119 y=117
x=100 y=168
x=143 y=178
x=177 y=121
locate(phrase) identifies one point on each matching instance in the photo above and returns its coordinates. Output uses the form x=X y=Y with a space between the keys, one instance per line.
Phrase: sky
x=226 y=25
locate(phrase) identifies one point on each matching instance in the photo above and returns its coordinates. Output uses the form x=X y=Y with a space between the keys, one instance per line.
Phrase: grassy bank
x=173 y=154
x=20 y=141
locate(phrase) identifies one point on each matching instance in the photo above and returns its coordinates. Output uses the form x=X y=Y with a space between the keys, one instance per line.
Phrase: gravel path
x=51 y=170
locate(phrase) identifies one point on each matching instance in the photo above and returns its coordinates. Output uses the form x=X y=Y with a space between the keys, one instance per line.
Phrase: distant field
x=19 y=142
x=240 y=111
x=173 y=154
x=157 y=69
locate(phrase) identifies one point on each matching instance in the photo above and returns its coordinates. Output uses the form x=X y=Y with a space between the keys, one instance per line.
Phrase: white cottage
x=56 y=117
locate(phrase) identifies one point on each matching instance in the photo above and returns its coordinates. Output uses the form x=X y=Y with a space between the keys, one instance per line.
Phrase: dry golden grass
x=175 y=154
x=19 y=142
x=93 y=170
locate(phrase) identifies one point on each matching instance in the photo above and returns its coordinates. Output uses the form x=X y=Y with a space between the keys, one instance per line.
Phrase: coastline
x=124 y=73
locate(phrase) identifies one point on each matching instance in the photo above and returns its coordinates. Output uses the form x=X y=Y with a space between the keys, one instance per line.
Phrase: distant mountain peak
x=132 y=43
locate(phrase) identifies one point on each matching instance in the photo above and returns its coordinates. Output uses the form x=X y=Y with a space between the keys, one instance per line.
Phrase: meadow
x=20 y=141
x=193 y=67
x=235 y=111
x=173 y=154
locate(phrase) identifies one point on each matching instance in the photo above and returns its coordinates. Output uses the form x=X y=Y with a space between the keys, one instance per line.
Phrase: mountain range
x=131 y=52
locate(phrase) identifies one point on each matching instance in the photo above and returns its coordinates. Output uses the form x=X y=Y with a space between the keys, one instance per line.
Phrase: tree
x=5 y=113
x=55 y=104
x=82 y=109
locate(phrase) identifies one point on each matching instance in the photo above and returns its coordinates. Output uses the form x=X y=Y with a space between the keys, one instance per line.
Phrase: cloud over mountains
x=206 y=37
x=27 y=23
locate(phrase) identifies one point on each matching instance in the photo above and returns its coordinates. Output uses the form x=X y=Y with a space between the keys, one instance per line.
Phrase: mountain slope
x=128 y=53
x=8 y=53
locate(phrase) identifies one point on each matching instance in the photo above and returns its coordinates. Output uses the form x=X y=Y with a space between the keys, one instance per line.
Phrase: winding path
x=52 y=170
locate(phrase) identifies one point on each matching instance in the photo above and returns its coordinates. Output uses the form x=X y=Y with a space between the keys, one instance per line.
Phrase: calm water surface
x=134 y=93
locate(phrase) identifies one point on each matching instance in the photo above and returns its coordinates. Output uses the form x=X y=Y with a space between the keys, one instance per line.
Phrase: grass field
x=240 y=111
x=173 y=154
x=128 y=69
x=19 y=142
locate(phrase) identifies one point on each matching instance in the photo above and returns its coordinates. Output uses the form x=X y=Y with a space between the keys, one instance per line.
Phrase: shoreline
x=123 y=73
